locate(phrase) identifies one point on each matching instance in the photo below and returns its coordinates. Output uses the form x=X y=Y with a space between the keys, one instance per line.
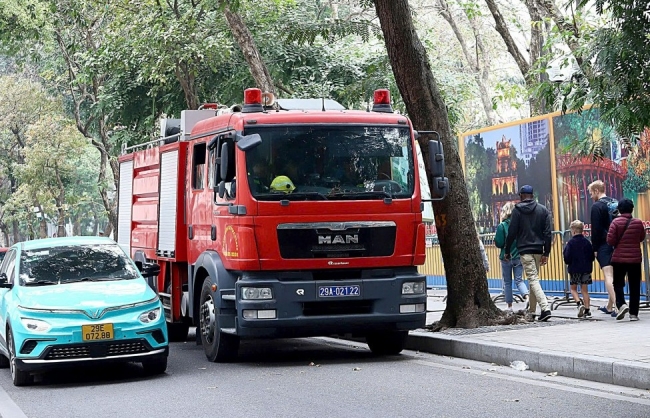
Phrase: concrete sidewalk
x=601 y=349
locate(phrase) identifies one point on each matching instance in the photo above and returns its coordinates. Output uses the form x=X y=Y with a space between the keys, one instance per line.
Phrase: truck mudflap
x=304 y=304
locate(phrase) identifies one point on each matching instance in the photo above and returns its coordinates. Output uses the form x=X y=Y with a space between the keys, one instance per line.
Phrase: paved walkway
x=600 y=349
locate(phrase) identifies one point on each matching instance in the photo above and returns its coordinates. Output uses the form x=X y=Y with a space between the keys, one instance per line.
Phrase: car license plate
x=339 y=291
x=98 y=332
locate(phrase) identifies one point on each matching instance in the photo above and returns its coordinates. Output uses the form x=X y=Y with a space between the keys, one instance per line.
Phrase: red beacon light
x=382 y=101
x=252 y=101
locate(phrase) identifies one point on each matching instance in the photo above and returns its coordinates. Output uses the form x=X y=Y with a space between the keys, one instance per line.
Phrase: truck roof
x=303 y=116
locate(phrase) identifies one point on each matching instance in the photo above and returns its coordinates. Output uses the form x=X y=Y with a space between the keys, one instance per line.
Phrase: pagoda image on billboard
x=505 y=185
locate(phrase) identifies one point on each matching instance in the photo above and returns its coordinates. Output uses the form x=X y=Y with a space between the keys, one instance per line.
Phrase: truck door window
x=198 y=166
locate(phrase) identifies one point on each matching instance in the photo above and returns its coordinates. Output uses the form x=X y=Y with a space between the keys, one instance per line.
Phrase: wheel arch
x=209 y=264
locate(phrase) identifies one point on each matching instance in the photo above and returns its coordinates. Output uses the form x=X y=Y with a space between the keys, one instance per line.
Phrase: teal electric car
x=77 y=300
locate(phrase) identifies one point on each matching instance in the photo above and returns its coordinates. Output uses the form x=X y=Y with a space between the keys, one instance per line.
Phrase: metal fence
x=554 y=277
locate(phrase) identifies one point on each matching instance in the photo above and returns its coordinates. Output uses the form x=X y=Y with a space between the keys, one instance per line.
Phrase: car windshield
x=331 y=162
x=67 y=264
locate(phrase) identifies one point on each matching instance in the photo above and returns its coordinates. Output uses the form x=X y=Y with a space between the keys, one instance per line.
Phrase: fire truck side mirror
x=436 y=159
x=248 y=142
x=222 y=189
x=439 y=188
x=225 y=153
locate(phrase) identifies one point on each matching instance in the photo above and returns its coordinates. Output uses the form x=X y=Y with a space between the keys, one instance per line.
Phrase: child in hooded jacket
x=579 y=257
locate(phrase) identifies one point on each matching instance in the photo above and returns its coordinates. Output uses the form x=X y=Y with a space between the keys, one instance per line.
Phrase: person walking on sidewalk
x=604 y=209
x=511 y=268
x=579 y=257
x=625 y=235
x=530 y=226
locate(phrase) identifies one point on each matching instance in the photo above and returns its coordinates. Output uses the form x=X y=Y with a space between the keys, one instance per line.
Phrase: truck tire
x=389 y=343
x=177 y=331
x=218 y=347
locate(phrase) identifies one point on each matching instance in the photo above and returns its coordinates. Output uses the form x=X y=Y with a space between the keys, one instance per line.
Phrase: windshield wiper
x=294 y=196
x=361 y=195
x=40 y=283
x=89 y=279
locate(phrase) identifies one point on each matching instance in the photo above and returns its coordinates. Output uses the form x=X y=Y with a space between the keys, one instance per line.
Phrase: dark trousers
x=633 y=272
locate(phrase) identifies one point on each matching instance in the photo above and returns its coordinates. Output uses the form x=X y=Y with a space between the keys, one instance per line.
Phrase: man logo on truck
x=338 y=239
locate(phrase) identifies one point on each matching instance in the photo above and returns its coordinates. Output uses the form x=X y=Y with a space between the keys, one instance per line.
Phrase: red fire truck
x=282 y=218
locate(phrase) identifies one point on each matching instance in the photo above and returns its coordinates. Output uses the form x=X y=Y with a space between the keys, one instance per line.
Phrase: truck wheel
x=387 y=343
x=155 y=366
x=177 y=331
x=218 y=347
x=19 y=377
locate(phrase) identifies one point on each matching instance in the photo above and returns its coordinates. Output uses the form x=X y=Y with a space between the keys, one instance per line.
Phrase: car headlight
x=252 y=293
x=412 y=288
x=150 y=316
x=35 y=325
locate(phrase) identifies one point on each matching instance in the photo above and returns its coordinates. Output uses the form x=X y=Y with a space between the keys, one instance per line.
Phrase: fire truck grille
x=96 y=350
x=324 y=243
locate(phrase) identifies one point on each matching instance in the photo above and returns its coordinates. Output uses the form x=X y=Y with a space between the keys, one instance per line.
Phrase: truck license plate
x=97 y=332
x=339 y=291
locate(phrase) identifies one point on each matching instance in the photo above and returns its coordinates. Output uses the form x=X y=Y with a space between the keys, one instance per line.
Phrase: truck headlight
x=150 y=316
x=412 y=288
x=35 y=325
x=253 y=293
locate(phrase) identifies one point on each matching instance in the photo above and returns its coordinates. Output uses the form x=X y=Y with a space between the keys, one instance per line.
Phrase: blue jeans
x=512 y=268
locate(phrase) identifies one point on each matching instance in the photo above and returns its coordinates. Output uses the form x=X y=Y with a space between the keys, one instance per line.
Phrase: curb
x=585 y=367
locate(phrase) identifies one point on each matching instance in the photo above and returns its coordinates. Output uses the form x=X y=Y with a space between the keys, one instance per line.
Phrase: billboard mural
x=501 y=159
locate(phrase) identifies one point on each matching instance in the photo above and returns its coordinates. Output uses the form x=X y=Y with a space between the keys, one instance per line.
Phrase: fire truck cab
x=287 y=218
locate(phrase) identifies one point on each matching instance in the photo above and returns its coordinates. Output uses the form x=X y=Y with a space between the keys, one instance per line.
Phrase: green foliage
x=614 y=74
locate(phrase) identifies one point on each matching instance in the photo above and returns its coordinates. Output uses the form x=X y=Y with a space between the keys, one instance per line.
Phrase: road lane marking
x=8 y=408
x=546 y=383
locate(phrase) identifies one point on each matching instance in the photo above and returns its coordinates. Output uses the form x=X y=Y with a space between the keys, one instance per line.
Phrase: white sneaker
x=634 y=318
x=622 y=311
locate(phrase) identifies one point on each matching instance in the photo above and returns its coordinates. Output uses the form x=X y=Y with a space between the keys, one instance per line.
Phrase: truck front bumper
x=302 y=306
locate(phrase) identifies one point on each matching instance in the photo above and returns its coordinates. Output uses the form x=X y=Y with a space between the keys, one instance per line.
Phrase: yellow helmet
x=282 y=184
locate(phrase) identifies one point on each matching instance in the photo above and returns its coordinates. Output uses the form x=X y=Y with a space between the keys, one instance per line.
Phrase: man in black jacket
x=530 y=225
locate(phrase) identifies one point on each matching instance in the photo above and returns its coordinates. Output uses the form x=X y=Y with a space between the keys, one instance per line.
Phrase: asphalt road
x=315 y=378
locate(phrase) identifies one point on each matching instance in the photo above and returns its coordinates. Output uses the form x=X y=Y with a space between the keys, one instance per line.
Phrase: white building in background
x=533 y=138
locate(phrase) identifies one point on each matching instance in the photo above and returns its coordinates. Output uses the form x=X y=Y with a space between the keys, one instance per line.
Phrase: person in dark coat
x=626 y=234
x=530 y=226
x=579 y=257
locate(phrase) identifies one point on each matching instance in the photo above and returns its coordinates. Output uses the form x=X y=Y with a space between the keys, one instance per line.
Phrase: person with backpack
x=603 y=211
x=625 y=235
x=530 y=226
x=510 y=269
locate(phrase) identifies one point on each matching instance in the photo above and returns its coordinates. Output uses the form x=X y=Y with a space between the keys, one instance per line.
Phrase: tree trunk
x=15 y=230
x=537 y=106
x=244 y=38
x=468 y=301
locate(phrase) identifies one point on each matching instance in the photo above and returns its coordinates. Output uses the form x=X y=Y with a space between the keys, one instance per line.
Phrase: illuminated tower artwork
x=504 y=179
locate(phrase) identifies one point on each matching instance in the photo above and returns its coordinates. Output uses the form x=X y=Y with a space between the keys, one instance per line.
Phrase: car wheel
x=155 y=365
x=177 y=331
x=218 y=346
x=387 y=343
x=19 y=377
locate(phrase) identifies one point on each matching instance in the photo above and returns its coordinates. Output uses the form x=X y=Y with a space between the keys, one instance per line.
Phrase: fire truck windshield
x=333 y=162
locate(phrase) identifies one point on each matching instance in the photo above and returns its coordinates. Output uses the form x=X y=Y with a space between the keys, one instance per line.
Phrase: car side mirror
x=4 y=282
x=150 y=270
